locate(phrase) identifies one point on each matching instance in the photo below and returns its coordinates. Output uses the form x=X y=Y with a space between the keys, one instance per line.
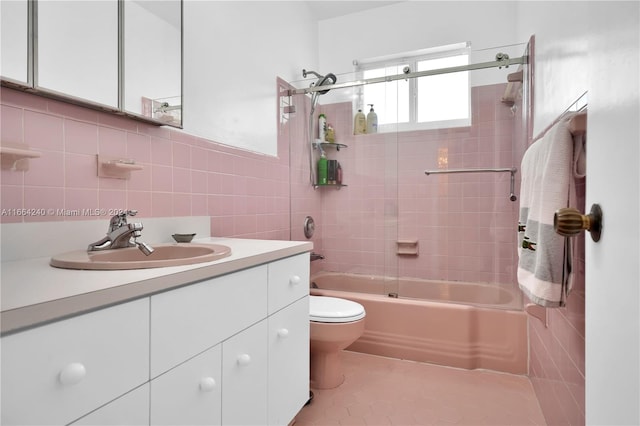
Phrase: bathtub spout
x=316 y=256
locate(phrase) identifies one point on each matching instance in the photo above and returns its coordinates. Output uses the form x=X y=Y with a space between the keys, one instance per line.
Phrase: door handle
x=569 y=222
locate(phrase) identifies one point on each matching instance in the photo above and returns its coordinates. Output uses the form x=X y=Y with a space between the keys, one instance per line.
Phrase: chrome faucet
x=121 y=233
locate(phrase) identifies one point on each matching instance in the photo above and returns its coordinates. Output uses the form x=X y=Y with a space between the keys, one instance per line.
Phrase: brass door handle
x=570 y=222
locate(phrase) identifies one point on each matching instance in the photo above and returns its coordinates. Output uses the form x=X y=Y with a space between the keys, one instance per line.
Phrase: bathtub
x=463 y=325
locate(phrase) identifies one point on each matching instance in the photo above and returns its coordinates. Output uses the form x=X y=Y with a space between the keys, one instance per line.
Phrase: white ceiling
x=322 y=9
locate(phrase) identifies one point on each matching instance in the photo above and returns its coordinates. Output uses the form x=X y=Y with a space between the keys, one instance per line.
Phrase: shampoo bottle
x=322 y=169
x=372 y=121
x=359 y=123
x=330 y=135
x=322 y=128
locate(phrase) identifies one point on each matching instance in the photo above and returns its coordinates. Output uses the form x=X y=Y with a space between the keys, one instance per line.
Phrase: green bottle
x=322 y=169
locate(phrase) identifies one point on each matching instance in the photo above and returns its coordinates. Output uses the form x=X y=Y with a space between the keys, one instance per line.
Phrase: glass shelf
x=334 y=185
x=337 y=146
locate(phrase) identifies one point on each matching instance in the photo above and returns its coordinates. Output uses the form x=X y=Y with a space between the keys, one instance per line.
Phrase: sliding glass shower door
x=389 y=221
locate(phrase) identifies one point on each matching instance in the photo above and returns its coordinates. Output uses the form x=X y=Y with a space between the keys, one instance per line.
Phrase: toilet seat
x=333 y=309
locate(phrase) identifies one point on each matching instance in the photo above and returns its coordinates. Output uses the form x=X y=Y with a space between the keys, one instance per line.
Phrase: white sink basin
x=133 y=258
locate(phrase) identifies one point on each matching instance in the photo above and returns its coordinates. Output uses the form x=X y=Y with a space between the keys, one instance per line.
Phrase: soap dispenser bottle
x=372 y=121
x=322 y=169
x=359 y=123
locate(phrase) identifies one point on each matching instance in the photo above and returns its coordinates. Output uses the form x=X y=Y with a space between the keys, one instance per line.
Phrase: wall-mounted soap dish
x=16 y=156
x=407 y=247
x=117 y=168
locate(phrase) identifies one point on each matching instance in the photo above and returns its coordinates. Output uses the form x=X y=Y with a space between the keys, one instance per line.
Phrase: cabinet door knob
x=295 y=280
x=569 y=222
x=72 y=374
x=244 y=359
x=207 y=384
x=283 y=332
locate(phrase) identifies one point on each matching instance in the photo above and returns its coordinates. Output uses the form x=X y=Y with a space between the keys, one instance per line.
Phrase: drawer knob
x=207 y=384
x=244 y=359
x=283 y=332
x=295 y=280
x=72 y=374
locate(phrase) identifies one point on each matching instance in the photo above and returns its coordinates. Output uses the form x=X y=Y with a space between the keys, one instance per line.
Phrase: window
x=427 y=102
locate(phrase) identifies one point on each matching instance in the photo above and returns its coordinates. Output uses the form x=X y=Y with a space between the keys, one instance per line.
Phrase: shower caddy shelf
x=336 y=145
x=334 y=185
x=317 y=144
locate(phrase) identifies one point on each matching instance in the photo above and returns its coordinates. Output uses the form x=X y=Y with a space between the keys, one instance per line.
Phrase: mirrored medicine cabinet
x=120 y=56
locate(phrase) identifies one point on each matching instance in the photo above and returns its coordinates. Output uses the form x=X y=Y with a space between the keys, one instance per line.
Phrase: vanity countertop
x=33 y=292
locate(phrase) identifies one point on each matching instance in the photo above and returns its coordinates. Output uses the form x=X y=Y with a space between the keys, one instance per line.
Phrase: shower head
x=323 y=80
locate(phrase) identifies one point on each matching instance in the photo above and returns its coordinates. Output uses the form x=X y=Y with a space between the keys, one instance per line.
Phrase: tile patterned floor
x=384 y=391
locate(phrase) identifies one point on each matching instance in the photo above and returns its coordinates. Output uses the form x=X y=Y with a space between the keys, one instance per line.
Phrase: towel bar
x=503 y=169
x=512 y=170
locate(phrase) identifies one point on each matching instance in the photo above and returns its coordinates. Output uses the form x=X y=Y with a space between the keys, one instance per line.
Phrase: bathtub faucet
x=316 y=256
x=121 y=233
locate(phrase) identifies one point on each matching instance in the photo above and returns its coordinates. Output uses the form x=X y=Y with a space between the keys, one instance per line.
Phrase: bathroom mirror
x=15 y=36
x=77 y=50
x=113 y=55
x=153 y=60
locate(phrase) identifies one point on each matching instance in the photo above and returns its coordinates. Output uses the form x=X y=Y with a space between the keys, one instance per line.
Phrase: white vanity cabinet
x=191 y=393
x=188 y=320
x=233 y=349
x=288 y=377
x=288 y=336
x=288 y=281
x=258 y=319
x=131 y=409
x=244 y=377
x=198 y=318
x=58 y=372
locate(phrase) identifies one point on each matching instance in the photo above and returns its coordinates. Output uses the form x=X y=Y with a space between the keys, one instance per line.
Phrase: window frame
x=412 y=59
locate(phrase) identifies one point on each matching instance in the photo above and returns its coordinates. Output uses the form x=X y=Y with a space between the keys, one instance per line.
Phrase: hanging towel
x=547 y=184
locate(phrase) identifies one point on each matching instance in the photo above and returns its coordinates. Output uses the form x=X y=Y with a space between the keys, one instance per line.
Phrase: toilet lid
x=333 y=309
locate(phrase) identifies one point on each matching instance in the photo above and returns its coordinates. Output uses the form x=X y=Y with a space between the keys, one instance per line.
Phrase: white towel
x=547 y=184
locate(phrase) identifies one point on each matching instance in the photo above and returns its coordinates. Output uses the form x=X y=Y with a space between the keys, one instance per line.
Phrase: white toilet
x=335 y=324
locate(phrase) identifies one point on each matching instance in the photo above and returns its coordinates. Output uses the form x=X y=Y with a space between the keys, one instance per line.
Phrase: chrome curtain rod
x=512 y=170
x=492 y=64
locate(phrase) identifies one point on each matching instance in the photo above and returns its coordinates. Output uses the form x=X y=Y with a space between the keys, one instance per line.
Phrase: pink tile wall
x=557 y=352
x=465 y=224
x=245 y=194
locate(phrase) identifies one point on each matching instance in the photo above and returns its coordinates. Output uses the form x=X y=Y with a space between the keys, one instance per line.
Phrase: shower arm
x=305 y=72
x=505 y=62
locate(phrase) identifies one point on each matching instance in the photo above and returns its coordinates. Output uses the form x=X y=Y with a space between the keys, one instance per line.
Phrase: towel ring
x=568 y=222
